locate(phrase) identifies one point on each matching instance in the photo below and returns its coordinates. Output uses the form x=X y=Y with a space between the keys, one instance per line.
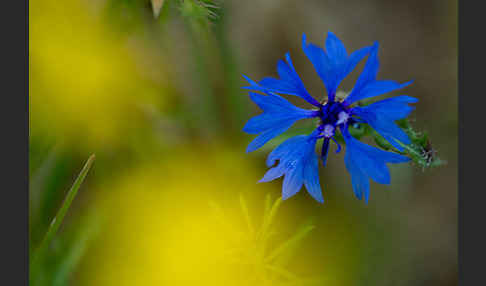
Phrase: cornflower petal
x=335 y=50
x=394 y=108
x=367 y=86
x=363 y=161
x=277 y=117
x=289 y=82
x=266 y=136
x=298 y=162
x=382 y=114
x=272 y=174
x=333 y=66
x=283 y=150
x=311 y=179
x=293 y=180
x=359 y=180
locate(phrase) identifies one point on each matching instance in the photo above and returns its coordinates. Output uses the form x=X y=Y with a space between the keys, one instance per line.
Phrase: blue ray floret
x=297 y=160
x=363 y=161
x=333 y=66
x=278 y=115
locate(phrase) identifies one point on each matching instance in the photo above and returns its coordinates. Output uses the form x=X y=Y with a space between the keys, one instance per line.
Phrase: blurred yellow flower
x=163 y=228
x=83 y=80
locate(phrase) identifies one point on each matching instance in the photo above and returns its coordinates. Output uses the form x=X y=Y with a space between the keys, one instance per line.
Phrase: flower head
x=298 y=162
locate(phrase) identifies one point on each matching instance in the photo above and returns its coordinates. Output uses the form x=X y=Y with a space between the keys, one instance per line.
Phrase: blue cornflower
x=297 y=160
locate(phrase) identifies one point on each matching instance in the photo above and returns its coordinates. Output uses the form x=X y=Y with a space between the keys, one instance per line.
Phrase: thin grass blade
x=268 y=220
x=284 y=252
x=246 y=214
x=85 y=236
x=283 y=272
x=57 y=221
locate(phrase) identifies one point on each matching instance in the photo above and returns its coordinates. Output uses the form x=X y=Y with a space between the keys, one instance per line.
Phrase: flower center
x=343 y=117
x=332 y=115
x=328 y=131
